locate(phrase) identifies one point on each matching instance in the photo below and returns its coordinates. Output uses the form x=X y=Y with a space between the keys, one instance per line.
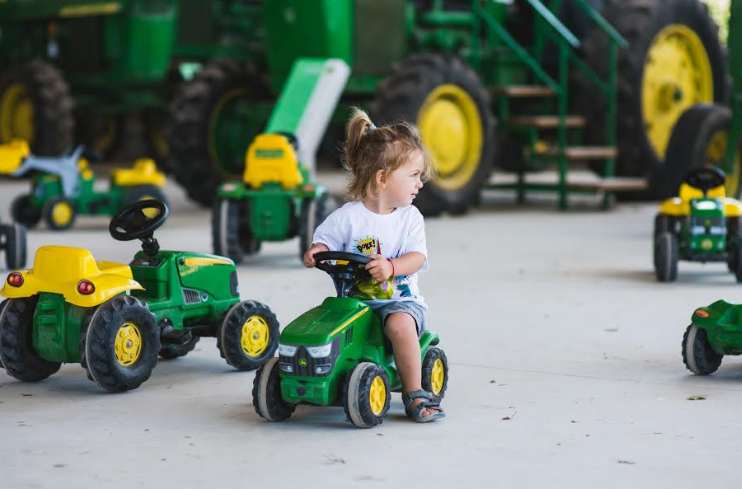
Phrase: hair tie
x=371 y=126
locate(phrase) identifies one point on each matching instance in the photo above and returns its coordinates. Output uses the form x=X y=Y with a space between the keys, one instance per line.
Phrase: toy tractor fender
x=72 y=273
x=12 y=155
x=65 y=167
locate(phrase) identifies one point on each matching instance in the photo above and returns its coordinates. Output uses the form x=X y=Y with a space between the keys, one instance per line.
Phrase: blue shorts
x=384 y=308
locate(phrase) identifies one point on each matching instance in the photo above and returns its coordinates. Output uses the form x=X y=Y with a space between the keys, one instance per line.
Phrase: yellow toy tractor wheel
x=59 y=213
x=435 y=373
x=119 y=344
x=248 y=335
x=366 y=395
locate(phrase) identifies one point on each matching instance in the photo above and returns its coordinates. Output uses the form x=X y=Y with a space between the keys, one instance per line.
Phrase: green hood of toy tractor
x=320 y=325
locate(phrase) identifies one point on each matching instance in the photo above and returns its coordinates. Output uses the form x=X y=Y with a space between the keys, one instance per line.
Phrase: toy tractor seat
x=271 y=158
x=63 y=270
x=707 y=182
x=12 y=155
x=144 y=172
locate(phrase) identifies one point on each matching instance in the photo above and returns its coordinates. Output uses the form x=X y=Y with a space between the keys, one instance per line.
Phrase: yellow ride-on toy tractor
x=701 y=224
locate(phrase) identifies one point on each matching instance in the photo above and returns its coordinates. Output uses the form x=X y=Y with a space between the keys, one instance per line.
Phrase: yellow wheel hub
x=377 y=395
x=255 y=336
x=451 y=129
x=715 y=152
x=62 y=213
x=677 y=74
x=437 y=376
x=128 y=344
x=16 y=114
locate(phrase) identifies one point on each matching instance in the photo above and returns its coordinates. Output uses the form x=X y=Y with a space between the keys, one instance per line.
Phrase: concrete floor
x=565 y=359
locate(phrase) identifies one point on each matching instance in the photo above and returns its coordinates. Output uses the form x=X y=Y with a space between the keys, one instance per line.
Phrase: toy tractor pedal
x=336 y=355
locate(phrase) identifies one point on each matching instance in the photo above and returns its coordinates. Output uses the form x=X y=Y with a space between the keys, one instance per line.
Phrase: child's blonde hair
x=369 y=149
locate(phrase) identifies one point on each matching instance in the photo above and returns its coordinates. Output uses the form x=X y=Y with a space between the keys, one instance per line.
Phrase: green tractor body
x=703 y=235
x=354 y=335
x=715 y=331
x=116 y=319
x=336 y=354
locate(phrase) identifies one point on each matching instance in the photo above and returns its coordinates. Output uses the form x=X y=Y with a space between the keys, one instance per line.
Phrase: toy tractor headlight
x=321 y=351
x=15 y=279
x=287 y=350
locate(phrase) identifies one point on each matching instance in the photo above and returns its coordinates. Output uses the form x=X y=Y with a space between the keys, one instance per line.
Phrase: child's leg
x=402 y=333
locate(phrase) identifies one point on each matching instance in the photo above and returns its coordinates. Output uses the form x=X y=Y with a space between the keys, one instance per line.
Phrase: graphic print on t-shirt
x=369 y=289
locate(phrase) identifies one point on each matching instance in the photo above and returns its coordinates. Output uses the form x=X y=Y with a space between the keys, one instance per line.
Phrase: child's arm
x=381 y=269
x=309 y=261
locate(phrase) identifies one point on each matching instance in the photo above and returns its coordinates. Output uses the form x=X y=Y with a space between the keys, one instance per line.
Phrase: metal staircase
x=536 y=113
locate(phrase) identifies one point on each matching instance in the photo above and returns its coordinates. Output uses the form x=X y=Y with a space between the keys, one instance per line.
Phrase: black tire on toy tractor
x=664 y=223
x=435 y=373
x=24 y=212
x=248 y=336
x=313 y=213
x=18 y=355
x=231 y=235
x=106 y=352
x=360 y=390
x=734 y=260
x=143 y=192
x=15 y=246
x=698 y=140
x=51 y=217
x=698 y=356
x=168 y=351
x=639 y=22
x=194 y=157
x=402 y=96
x=43 y=87
x=266 y=393
x=734 y=227
x=666 y=257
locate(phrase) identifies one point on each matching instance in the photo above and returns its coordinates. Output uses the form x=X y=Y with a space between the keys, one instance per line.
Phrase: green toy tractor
x=715 y=331
x=63 y=187
x=115 y=319
x=701 y=224
x=336 y=354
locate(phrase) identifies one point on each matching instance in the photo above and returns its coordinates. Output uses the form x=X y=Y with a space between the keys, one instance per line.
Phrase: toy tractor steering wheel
x=347 y=270
x=139 y=220
x=705 y=178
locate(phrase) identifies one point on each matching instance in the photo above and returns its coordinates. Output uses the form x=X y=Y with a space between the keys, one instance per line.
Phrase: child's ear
x=380 y=178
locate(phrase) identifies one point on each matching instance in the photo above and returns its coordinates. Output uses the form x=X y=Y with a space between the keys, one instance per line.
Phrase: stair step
x=523 y=91
x=579 y=152
x=613 y=184
x=546 y=121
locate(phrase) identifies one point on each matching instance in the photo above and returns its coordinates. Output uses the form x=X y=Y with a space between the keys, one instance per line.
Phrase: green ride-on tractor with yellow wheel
x=116 y=319
x=63 y=187
x=336 y=354
x=701 y=225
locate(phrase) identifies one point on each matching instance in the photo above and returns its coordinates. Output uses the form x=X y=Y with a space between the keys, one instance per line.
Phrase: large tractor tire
x=36 y=105
x=699 y=139
x=674 y=60
x=447 y=100
x=102 y=134
x=215 y=117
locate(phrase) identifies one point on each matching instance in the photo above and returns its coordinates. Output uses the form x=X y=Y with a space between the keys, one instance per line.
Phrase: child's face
x=404 y=182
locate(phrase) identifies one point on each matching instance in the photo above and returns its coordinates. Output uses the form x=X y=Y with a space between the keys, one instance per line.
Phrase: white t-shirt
x=355 y=229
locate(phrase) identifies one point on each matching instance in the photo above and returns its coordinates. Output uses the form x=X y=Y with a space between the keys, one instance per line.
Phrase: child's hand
x=379 y=268
x=309 y=255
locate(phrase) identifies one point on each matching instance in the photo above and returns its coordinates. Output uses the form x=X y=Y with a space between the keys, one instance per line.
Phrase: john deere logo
x=706 y=244
x=303 y=362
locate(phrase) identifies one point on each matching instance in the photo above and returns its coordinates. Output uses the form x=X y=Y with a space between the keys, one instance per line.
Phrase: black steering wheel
x=705 y=178
x=139 y=220
x=347 y=270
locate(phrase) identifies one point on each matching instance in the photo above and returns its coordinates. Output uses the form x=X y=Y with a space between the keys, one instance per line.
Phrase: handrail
x=552 y=19
x=612 y=33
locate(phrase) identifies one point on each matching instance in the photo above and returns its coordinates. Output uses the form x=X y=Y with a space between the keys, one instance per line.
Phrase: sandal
x=416 y=413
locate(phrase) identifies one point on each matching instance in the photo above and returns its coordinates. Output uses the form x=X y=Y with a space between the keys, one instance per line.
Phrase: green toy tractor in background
x=701 y=224
x=63 y=187
x=337 y=354
x=276 y=199
x=116 y=319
